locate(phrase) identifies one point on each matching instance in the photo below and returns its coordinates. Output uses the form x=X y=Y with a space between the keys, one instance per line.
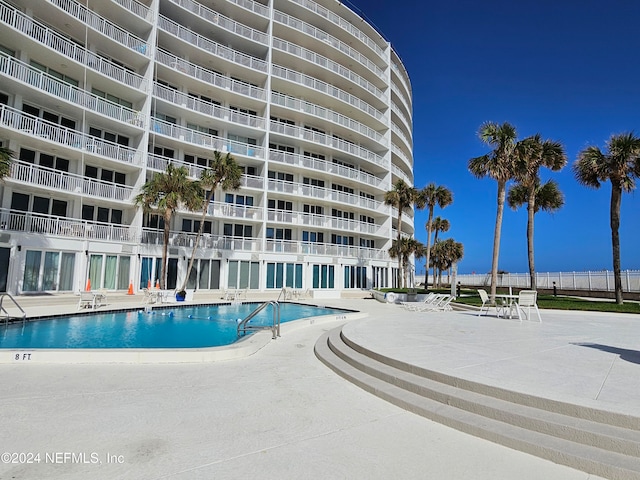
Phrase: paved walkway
x=281 y=414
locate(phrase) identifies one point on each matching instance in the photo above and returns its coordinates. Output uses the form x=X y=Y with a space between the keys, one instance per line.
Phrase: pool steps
x=595 y=441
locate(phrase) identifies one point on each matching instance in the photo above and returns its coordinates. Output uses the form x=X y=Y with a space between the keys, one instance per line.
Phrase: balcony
x=44 y=82
x=223 y=22
x=325 y=249
x=330 y=115
x=44 y=177
x=210 y=142
x=397 y=151
x=51 y=39
x=209 y=77
x=330 y=141
x=321 y=221
x=325 y=37
x=311 y=163
x=342 y=23
x=136 y=8
x=210 y=46
x=332 y=66
x=207 y=108
x=323 y=87
x=50 y=132
x=102 y=25
x=50 y=225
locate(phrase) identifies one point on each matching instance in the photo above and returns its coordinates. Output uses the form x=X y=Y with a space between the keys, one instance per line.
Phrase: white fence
x=600 y=281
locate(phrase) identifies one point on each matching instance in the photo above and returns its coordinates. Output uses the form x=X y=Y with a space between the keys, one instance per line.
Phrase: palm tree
x=498 y=164
x=403 y=250
x=621 y=166
x=430 y=196
x=222 y=171
x=531 y=154
x=440 y=225
x=6 y=159
x=163 y=194
x=445 y=254
x=401 y=196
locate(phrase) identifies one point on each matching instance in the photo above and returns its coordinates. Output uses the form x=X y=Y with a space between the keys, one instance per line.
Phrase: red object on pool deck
x=88 y=289
x=158 y=284
x=130 y=291
x=149 y=284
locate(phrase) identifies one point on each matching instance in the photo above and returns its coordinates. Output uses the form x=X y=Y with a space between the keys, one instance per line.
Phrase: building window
x=193 y=226
x=238 y=199
x=244 y=274
x=341 y=239
x=313 y=181
x=286 y=177
x=48 y=271
x=315 y=209
x=281 y=275
x=237 y=230
x=278 y=233
x=312 y=237
x=282 y=205
x=323 y=276
x=355 y=277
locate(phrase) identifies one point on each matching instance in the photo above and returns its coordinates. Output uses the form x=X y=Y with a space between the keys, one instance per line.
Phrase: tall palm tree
x=440 y=225
x=402 y=197
x=531 y=154
x=620 y=164
x=163 y=194
x=6 y=159
x=547 y=197
x=430 y=196
x=403 y=250
x=498 y=164
x=445 y=254
x=222 y=171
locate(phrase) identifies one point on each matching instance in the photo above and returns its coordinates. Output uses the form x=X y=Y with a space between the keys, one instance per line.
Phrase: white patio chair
x=486 y=301
x=527 y=299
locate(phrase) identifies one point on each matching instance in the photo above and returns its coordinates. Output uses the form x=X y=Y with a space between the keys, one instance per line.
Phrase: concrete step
x=583 y=438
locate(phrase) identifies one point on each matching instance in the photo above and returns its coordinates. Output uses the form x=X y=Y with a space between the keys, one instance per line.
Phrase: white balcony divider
x=51 y=225
x=205 y=140
x=53 y=40
x=328 y=140
x=102 y=25
x=210 y=46
x=34 y=126
x=208 y=76
x=324 y=87
x=223 y=22
x=136 y=8
x=323 y=112
x=586 y=280
x=207 y=108
x=300 y=160
x=20 y=71
x=327 y=38
x=327 y=63
x=342 y=23
x=69 y=182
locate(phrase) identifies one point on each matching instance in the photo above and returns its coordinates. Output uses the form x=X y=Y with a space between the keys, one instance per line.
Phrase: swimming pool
x=180 y=327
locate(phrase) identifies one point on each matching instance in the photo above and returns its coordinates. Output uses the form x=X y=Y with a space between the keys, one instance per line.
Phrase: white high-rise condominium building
x=97 y=96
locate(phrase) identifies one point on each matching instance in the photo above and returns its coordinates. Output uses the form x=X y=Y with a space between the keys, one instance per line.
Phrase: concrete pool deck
x=281 y=413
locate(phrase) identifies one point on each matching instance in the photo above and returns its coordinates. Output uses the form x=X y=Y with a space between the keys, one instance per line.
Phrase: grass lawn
x=564 y=303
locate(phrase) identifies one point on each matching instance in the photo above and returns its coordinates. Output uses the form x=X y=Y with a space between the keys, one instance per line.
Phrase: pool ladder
x=244 y=327
x=6 y=313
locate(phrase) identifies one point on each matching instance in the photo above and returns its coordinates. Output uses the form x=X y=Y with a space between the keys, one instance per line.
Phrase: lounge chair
x=441 y=304
x=413 y=306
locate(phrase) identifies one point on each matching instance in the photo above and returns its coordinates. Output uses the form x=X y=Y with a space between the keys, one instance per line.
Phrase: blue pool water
x=180 y=327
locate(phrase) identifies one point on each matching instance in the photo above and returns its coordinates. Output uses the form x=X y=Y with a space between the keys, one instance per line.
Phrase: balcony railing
x=327 y=63
x=342 y=23
x=36 y=78
x=396 y=129
x=208 y=141
x=397 y=171
x=325 y=37
x=210 y=46
x=397 y=151
x=324 y=87
x=329 y=167
x=210 y=77
x=102 y=25
x=43 y=34
x=324 y=139
x=223 y=22
x=322 y=112
x=51 y=225
x=402 y=74
x=400 y=94
x=256 y=7
x=67 y=182
x=321 y=221
x=398 y=111
x=136 y=8
x=325 y=249
x=207 y=108
x=230 y=210
x=36 y=127
x=328 y=194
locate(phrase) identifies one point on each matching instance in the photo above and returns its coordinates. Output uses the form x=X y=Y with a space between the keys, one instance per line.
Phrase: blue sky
x=567 y=69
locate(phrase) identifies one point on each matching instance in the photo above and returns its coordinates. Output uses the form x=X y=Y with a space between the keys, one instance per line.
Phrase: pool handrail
x=243 y=326
x=4 y=310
